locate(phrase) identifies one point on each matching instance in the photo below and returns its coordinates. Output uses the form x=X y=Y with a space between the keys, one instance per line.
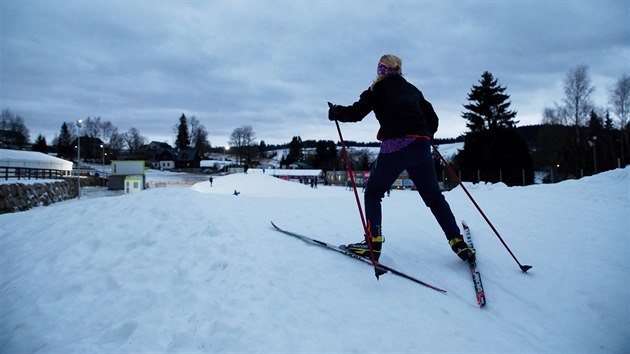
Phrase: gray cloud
x=273 y=65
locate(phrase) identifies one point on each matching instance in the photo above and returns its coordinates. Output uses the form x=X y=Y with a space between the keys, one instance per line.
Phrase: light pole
x=103 y=151
x=79 y=124
x=593 y=144
x=226 y=150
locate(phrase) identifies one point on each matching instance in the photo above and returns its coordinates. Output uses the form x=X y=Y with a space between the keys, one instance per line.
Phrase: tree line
x=598 y=138
x=576 y=137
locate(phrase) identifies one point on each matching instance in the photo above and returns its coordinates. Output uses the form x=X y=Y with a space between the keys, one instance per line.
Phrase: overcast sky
x=274 y=64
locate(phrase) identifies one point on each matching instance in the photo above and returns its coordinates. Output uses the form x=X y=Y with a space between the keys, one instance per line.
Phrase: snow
x=449 y=151
x=197 y=269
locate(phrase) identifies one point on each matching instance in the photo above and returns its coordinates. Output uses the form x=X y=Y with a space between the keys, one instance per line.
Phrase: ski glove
x=333 y=112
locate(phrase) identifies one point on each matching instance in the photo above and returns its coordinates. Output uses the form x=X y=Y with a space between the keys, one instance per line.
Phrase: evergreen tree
x=601 y=154
x=364 y=160
x=488 y=107
x=595 y=123
x=295 y=151
x=608 y=122
x=64 y=142
x=183 y=138
x=501 y=156
x=40 y=144
x=493 y=149
x=325 y=156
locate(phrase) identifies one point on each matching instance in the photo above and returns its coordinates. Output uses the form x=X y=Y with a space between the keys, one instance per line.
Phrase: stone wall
x=18 y=196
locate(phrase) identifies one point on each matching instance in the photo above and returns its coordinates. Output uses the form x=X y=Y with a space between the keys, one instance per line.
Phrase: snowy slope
x=198 y=269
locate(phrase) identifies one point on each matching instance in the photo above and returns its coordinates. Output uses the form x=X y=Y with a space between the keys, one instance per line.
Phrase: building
x=341 y=178
x=31 y=164
x=127 y=175
x=162 y=156
x=302 y=176
x=92 y=149
x=187 y=158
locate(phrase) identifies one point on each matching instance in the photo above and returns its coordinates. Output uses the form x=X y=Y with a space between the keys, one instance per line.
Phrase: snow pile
x=201 y=270
x=260 y=185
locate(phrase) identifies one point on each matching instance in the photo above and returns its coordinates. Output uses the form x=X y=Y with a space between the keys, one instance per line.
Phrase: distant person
x=210 y=180
x=236 y=192
x=407 y=125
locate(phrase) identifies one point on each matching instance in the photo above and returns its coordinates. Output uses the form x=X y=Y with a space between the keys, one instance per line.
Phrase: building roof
x=32 y=159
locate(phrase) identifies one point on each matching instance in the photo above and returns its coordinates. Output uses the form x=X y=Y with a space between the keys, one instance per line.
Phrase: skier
x=407 y=125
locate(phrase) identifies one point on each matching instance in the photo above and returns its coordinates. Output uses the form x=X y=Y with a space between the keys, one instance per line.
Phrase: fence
x=29 y=173
x=494 y=176
x=446 y=181
x=161 y=184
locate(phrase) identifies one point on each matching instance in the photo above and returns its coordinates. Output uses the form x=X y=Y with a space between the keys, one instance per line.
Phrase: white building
x=32 y=164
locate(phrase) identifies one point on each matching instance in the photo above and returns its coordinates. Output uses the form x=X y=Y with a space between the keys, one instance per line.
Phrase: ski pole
x=524 y=268
x=356 y=195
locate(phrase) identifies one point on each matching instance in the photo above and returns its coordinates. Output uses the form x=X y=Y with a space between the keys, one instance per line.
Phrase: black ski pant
x=416 y=158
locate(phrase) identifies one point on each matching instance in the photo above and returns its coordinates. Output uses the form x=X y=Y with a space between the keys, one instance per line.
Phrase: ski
x=476 y=277
x=380 y=267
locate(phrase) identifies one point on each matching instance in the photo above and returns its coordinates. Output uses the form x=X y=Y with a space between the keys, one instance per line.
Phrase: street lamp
x=103 y=151
x=592 y=143
x=79 y=124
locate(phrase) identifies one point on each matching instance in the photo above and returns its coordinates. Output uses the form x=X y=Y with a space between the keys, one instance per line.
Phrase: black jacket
x=398 y=106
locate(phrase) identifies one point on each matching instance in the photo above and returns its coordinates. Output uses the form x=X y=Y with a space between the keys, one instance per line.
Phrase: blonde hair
x=391 y=61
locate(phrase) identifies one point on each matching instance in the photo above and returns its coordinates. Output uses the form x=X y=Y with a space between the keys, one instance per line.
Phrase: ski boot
x=363 y=250
x=461 y=249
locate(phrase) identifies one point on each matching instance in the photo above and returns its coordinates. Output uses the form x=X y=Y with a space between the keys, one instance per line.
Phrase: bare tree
x=242 y=140
x=577 y=100
x=199 y=136
x=92 y=127
x=134 y=140
x=107 y=130
x=556 y=115
x=619 y=98
x=14 y=123
x=116 y=141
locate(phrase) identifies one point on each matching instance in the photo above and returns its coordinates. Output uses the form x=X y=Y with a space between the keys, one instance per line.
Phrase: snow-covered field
x=197 y=269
